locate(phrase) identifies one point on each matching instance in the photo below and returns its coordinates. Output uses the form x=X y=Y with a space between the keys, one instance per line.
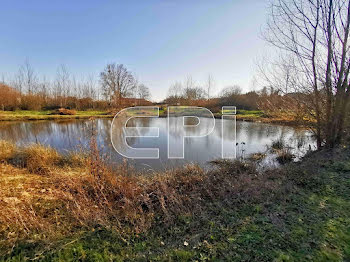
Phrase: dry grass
x=7 y=150
x=50 y=197
x=284 y=156
x=39 y=159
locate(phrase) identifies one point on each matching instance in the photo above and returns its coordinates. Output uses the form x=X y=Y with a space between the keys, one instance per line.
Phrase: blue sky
x=160 y=41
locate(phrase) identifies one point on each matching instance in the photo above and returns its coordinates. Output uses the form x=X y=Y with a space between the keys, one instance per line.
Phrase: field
x=59 y=208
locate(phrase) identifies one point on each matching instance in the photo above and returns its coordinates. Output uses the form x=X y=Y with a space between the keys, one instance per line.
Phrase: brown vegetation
x=64 y=111
x=52 y=196
x=9 y=99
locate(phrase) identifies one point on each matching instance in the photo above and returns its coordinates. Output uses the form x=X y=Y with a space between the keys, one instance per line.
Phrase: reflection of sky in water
x=73 y=135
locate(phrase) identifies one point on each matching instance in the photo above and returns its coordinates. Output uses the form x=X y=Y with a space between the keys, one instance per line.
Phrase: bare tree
x=44 y=88
x=194 y=93
x=314 y=34
x=175 y=90
x=175 y=93
x=62 y=85
x=89 y=87
x=28 y=77
x=234 y=90
x=143 y=92
x=210 y=83
x=18 y=81
x=189 y=83
x=117 y=82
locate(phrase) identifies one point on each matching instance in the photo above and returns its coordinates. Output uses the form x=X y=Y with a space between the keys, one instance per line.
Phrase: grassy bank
x=23 y=115
x=58 y=208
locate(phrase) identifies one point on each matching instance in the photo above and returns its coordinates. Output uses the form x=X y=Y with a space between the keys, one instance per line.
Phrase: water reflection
x=72 y=135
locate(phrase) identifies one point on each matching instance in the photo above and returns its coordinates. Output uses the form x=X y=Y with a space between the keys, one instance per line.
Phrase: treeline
x=115 y=87
x=189 y=94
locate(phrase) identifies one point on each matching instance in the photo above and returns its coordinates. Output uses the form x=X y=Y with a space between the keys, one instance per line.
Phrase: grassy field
x=59 y=208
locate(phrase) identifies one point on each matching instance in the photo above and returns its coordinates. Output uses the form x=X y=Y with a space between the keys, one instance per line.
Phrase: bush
x=284 y=157
x=7 y=150
x=64 y=111
x=278 y=144
x=9 y=99
x=31 y=102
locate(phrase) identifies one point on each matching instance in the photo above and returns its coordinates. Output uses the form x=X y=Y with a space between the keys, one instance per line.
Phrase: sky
x=160 y=41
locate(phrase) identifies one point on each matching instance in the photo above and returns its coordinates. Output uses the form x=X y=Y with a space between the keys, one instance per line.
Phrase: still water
x=75 y=135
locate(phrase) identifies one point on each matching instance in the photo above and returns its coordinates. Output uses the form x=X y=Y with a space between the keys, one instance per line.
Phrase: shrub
x=74 y=159
x=31 y=102
x=64 y=111
x=9 y=98
x=39 y=159
x=257 y=156
x=7 y=150
x=285 y=156
x=278 y=144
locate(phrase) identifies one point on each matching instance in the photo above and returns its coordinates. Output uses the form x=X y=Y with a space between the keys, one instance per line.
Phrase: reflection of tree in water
x=68 y=135
x=178 y=130
x=25 y=131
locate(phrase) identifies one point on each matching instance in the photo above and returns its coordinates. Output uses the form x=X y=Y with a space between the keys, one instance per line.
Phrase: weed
x=284 y=156
x=7 y=150
x=278 y=144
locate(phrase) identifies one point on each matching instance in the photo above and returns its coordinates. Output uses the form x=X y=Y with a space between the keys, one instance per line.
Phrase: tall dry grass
x=53 y=197
x=38 y=158
x=7 y=150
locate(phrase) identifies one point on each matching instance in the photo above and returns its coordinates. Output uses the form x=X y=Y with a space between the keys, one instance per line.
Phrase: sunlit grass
x=20 y=115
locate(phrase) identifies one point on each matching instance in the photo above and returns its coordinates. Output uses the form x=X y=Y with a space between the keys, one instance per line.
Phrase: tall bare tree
x=117 y=82
x=63 y=85
x=143 y=92
x=315 y=34
x=210 y=83
x=28 y=76
x=89 y=87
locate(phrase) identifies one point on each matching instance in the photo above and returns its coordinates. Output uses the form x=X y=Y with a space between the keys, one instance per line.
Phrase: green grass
x=19 y=115
x=306 y=219
x=241 y=114
x=46 y=115
x=91 y=113
x=47 y=112
x=245 y=112
x=25 y=113
x=249 y=112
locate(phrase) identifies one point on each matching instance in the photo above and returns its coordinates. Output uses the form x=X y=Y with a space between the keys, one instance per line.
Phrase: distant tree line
x=116 y=87
x=190 y=94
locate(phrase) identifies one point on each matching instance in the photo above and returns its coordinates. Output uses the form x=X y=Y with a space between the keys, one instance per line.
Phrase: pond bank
x=46 y=115
x=56 y=210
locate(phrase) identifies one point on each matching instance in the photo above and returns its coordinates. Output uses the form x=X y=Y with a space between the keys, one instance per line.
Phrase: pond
x=252 y=137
